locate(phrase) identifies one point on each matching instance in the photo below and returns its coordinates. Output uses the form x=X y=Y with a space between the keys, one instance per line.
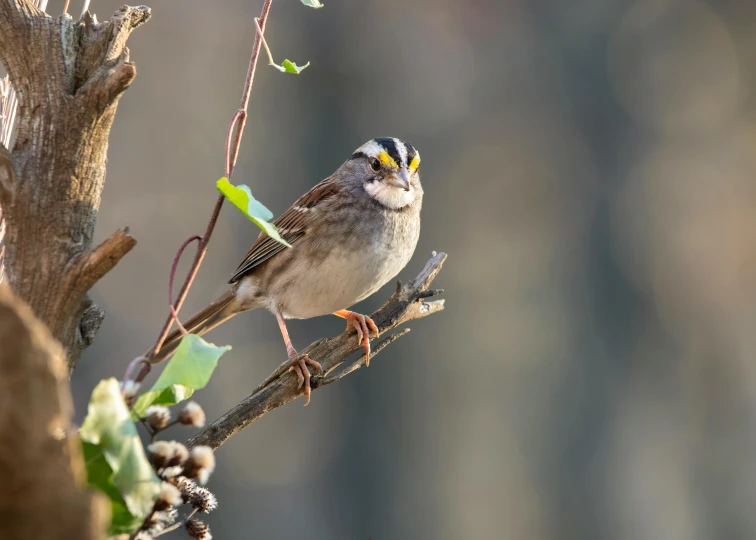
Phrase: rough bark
x=408 y=303
x=40 y=464
x=69 y=76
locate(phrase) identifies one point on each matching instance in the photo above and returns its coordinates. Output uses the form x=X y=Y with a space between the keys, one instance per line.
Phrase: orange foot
x=360 y=323
x=303 y=374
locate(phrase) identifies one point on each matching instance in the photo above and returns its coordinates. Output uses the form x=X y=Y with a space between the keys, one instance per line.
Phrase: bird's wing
x=292 y=225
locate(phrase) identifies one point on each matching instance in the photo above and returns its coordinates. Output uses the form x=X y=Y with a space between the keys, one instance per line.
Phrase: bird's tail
x=217 y=312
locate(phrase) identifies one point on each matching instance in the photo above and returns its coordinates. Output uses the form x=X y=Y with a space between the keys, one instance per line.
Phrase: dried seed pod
x=187 y=487
x=198 y=529
x=192 y=415
x=203 y=500
x=201 y=464
x=157 y=417
x=169 y=496
x=179 y=454
x=161 y=453
x=130 y=389
x=166 y=455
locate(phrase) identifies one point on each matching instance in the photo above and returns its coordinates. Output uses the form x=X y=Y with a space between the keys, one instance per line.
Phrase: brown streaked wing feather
x=291 y=225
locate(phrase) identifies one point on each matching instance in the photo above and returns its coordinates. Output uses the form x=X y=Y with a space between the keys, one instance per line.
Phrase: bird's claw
x=303 y=373
x=363 y=325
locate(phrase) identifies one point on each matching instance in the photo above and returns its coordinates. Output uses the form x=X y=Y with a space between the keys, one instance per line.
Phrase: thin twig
x=357 y=364
x=171 y=424
x=139 y=360
x=233 y=141
x=151 y=432
x=177 y=525
x=176 y=319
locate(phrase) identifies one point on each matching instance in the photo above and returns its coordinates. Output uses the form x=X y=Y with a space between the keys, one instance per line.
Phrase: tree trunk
x=69 y=76
x=40 y=460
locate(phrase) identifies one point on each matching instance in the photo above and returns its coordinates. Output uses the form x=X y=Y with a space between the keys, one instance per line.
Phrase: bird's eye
x=375 y=164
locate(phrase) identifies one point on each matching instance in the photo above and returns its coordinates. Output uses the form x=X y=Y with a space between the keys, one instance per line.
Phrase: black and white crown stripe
x=400 y=151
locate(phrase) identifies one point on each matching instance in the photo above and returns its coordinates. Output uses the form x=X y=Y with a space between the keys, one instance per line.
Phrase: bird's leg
x=360 y=323
x=303 y=374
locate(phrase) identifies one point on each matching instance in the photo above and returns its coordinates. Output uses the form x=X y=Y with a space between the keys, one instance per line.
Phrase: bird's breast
x=323 y=274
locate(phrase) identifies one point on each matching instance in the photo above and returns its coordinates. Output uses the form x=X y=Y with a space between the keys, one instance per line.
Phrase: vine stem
x=233 y=141
x=265 y=43
x=176 y=260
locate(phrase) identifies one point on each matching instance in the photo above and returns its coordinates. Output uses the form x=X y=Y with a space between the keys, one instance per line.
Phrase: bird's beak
x=400 y=179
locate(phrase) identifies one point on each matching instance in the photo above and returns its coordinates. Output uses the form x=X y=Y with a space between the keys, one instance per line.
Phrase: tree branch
x=357 y=364
x=104 y=67
x=406 y=304
x=95 y=264
x=40 y=460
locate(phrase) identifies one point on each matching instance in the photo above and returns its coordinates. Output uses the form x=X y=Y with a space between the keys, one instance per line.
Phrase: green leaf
x=169 y=396
x=100 y=475
x=290 y=67
x=188 y=370
x=241 y=197
x=121 y=520
x=99 y=472
x=115 y=458
x=312 y=3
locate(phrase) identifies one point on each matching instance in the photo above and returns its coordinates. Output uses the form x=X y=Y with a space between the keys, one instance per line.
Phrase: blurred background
x=589 y=169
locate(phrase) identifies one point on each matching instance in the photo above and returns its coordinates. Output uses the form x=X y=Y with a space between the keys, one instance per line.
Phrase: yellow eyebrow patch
x=387 y=159
x=415 y=163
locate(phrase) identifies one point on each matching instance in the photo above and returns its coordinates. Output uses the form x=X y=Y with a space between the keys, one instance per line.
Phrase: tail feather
x=217 y=312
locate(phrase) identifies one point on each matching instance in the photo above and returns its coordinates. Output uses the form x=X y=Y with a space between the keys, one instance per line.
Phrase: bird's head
x=389 y=168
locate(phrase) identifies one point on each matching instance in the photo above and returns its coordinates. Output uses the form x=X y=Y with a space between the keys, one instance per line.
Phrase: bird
x=350 y=234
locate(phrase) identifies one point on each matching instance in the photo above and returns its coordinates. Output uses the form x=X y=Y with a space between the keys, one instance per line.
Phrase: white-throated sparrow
x=350 y=235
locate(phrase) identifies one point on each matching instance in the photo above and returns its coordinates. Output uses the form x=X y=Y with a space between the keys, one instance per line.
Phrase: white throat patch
x=390 y=196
